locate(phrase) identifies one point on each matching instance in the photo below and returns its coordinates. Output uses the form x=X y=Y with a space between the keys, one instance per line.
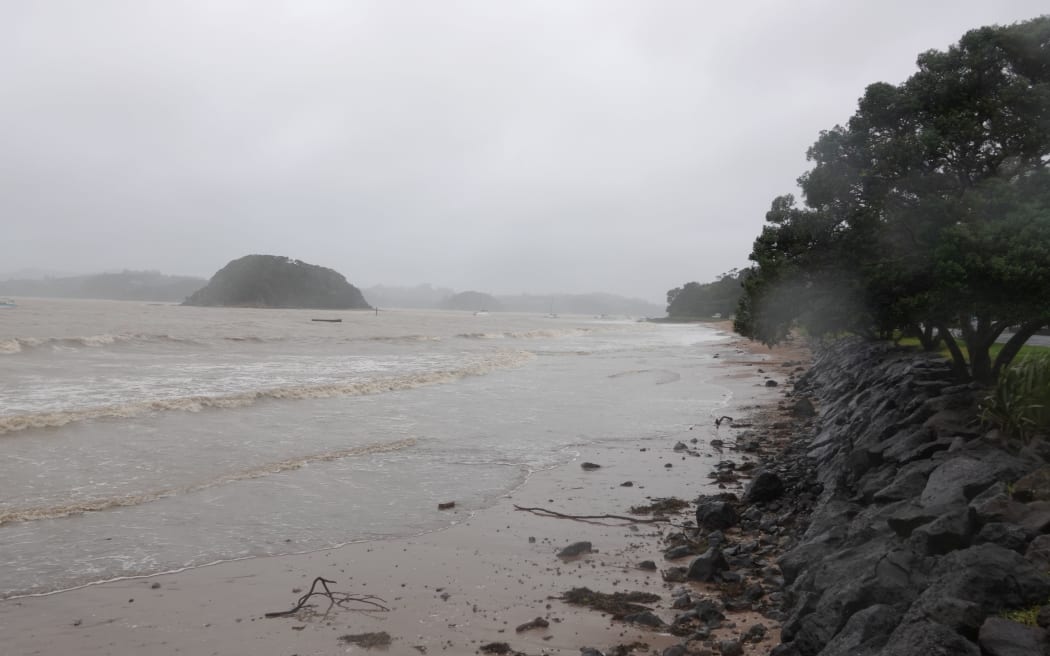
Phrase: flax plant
x=1020 y=403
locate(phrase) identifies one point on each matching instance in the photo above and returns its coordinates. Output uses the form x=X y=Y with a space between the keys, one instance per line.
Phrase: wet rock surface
x=904 y=527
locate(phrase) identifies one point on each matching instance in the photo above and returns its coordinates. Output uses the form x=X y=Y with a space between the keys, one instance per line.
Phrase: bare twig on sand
x=341 y=599
x=543 y=512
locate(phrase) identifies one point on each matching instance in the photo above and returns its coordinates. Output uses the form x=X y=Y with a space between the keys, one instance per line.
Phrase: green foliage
x=928 y=213
x=1019 y=405
x=1027 y=616
x=695 y=300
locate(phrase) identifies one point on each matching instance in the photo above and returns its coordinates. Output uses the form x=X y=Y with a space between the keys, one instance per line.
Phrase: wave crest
x=36 y=513
x=528 y=334
x=13 y=345
x=55 y=419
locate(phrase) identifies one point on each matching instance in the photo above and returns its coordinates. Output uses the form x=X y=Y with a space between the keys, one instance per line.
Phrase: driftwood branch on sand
x=543 y=512
x=340 y=599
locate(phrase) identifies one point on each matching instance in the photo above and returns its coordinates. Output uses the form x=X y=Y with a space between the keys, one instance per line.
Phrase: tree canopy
x=928 y=213
x=695 y=300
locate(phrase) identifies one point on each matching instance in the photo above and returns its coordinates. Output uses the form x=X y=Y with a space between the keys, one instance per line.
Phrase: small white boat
x=7 y=303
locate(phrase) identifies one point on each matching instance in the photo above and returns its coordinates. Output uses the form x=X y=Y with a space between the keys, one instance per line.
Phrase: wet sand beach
x=451 y=591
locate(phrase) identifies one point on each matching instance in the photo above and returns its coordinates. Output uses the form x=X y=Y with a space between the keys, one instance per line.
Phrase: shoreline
x=450 y=591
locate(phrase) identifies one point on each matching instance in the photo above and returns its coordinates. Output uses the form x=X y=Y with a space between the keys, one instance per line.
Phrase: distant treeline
x=427 y=297
x=696 y=300
x=123 y=286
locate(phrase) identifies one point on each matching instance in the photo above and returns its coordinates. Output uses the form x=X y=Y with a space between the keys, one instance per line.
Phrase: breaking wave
x=94 y=505
x=402 y=338
x=14 y=345
x=13 y=423
x=528 y=334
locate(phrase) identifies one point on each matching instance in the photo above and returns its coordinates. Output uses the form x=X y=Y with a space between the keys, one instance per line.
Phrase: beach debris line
x=367 y=640
x=544 y=512
x=501 y=648
x=661 y=506
x=617 y=604
x=538 y=623
x=341 y=599
x=576 y=549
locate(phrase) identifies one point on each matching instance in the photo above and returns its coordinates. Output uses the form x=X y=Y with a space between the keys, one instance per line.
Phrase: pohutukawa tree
x=927 y=213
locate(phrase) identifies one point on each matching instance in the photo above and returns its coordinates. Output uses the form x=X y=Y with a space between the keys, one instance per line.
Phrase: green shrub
x=1020 y=403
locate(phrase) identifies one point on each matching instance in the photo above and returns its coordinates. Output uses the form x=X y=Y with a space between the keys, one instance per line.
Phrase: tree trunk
x=1014 y=344
x=979 y=341
x=929 y=337
x=958 y=361
x=981 y=363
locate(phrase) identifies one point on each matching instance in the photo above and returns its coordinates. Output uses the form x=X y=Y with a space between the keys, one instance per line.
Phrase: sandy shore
x=447 y=592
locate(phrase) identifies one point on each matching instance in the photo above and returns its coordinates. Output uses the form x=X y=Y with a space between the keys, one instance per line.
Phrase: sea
x=140 y=438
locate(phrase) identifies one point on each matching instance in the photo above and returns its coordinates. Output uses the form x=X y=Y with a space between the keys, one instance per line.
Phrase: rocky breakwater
x=930 y=534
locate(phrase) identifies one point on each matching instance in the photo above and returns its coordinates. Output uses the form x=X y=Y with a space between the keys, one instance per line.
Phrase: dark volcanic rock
x=948 y=532
x=908 y=483
x=575 y=549
x=1002 y=637
x=1036 y=518
x=766 y=486
x=681 y=551
x=865 y=632
x=707 y=565
x=1034 y=486
x=912 y=542
x=713 y=513
x=1009 y=536
x=963 y=617
x=956 y=481
x=988 y=575
x=928 y=639
x=803 y=408
x=1038 y=552
x=645 y=618
x=910 y=517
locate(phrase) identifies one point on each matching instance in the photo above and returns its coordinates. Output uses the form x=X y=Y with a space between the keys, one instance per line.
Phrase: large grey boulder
x=713 y=513
x=1003 y=637
x=708 y=564
x=865 y=632
x=766 y=486
x=928 y=639
x=989 y=575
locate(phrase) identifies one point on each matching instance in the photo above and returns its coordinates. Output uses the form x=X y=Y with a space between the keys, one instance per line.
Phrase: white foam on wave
x=196 y=403
x=13 y=345
x=528 y=334
x=36 y=513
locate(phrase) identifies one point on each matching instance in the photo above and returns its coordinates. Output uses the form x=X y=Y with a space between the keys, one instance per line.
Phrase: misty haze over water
x=621 y=147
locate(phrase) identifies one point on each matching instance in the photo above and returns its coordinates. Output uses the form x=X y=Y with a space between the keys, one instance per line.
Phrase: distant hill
x=278 y=282
x=421 y=296
x=122 y=286
x=473 y=301
x=428 y=297
x=596 y=303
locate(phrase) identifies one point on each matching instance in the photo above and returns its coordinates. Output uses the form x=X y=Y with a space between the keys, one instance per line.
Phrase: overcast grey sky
x=502 y=146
